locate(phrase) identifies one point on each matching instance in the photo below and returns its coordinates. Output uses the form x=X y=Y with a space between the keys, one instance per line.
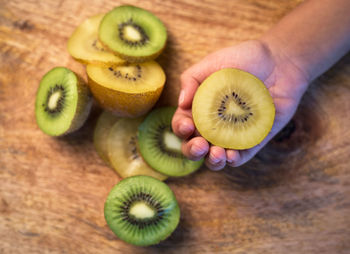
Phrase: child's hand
x=283 y=79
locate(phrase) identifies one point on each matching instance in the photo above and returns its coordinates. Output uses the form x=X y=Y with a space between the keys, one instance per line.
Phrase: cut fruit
x=123 y=150
x=161 y=148
x=233 y=109
x=85 y=47
x=63 y=102
x=135 y=34
x=129 y=90
x=103 y=127
x=142 y=210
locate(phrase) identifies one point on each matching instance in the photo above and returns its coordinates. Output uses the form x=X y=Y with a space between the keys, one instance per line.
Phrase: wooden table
x=294 y=197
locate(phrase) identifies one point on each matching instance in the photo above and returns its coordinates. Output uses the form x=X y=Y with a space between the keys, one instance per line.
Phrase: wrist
x=287 y=65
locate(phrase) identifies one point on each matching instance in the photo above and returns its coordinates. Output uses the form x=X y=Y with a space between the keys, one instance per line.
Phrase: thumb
x=194 y=76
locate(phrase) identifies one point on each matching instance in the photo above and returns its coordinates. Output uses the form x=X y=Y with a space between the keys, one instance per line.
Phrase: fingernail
x=213 y=159
x=197 y=151
x=229 y=161
x=185 y=129
x=181 y=97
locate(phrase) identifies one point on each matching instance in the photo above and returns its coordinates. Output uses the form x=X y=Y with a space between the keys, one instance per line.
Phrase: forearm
x=313 y=36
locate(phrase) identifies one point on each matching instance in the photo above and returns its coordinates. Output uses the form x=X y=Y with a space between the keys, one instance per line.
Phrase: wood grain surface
x=293 y=197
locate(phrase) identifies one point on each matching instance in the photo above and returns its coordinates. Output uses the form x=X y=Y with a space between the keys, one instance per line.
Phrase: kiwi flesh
x=102 y=129
x=161 y=148
x=142 y=210
x=123 y=154
x=133 y=33
x=63 y=102
x=130 y=90
x=84 y=46
x=233 y=109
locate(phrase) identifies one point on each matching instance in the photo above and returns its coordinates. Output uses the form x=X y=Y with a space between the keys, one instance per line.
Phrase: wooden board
x=294 y=197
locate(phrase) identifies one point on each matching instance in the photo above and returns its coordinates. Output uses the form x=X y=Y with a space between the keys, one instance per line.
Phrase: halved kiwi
x=123 y=151
x=102 y=129
x=63 y=102
x=161 y=148
x=85 y=47
x=233 y=109
x=128 y=90
x=142 y=210
x=135 y=34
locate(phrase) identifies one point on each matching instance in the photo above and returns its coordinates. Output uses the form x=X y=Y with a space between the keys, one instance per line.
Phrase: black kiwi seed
x=134 y=152
x=143 y=34
x=118 y=73
x=233 y=118
x=94 y=45
x=149 y=200
x=60 y=101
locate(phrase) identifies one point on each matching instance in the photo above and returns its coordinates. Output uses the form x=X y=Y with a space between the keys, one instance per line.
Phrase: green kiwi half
x=63 y=102
x=161 y=148
x=134 y=34
x=142 y=210
x=233 y=109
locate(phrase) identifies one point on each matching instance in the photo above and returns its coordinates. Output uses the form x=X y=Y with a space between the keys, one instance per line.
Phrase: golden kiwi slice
x=233 y=109
x=128 y=90
x=102 y=129
x=122 y=146
x=85 y=47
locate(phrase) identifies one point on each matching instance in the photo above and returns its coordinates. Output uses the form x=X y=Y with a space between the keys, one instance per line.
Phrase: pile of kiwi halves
x=118 y=49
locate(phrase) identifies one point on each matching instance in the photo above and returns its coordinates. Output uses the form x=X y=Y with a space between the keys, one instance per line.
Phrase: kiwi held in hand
x=123 y=151
x=85 y=47
x=233 y=109
x=161 y=148
x=128 y=90
x=135 y=34
x=63 y=102
x=103 y=127
x=142 y=210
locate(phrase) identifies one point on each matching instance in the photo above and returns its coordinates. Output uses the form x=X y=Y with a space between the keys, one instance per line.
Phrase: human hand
x=284 y=80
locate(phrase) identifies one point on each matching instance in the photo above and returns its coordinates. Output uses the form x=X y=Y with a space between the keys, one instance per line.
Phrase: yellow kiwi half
x=128 y=90
x=103 y=126
x=122 y=146
x=233 y=109
x=85 y=47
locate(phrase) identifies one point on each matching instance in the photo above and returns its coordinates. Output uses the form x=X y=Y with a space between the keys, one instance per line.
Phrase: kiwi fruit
x=135 y=34
x=161 y=148
x=142 y=210
x=84 y=46
x=130 y=90
x=63 y=102
x=123 y=151
x=233 y=109
x=102 y=129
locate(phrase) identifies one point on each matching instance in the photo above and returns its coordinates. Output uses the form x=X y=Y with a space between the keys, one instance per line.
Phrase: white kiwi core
x=142 y=210
x=53 y=100
x=172 y=141
x=233 y=108
x=132 y=34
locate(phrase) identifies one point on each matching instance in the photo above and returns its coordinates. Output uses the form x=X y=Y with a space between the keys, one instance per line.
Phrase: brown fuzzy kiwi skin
x=83 y=106
x=124 y=104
